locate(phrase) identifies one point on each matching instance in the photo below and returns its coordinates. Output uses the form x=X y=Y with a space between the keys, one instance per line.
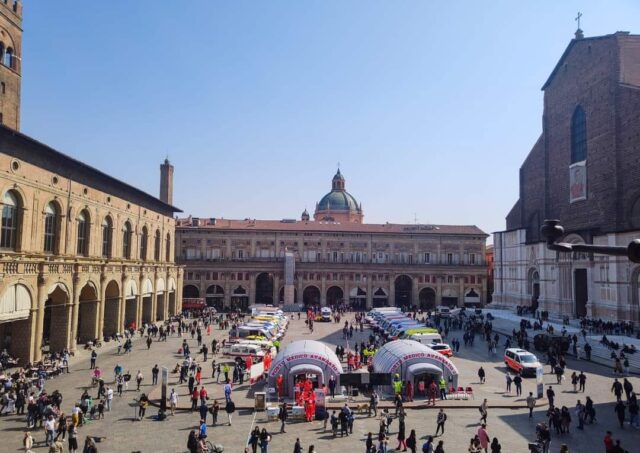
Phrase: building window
x=3 y=87
x=156 y=246
x=126 y=241
x=472 y=258
x=449 y=258
x=427 y=258
x=9 y=228
x=8 y=58
x=50 y=227
x=578 y=136
x=144 y=237
x=106 y=237
x=83 y=230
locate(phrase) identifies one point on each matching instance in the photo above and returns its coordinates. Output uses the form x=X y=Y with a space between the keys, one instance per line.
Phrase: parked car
x=442 y=348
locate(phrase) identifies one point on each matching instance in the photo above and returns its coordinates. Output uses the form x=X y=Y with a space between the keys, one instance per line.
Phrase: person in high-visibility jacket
x=442 y=384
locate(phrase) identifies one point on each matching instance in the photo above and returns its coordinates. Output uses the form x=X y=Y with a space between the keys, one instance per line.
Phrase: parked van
x=443 y=312
x=247 y=332
x=426 y=338
x=398 y=331
x=264 y=344
x=521 y=361
x=419 y=330
x=325 y=312
x=243 y=350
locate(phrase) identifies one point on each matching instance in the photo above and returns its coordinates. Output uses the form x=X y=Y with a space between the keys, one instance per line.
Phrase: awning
x=306 y=368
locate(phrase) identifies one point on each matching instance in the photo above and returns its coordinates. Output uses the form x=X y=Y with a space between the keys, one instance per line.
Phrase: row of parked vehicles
x=392 y=324
x=256 y=336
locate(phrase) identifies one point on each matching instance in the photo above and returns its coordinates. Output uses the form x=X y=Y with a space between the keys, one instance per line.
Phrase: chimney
x=166 y=182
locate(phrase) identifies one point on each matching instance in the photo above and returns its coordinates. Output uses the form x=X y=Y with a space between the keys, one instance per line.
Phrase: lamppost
x=552 y=231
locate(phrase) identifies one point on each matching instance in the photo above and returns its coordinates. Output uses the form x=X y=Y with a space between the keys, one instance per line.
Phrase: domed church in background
x=338 y=205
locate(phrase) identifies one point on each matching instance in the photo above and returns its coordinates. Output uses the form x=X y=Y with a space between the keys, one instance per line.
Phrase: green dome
x=338 y=200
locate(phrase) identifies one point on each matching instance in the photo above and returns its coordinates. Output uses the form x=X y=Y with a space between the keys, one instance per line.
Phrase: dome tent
x=411 y=359
x=301 y=357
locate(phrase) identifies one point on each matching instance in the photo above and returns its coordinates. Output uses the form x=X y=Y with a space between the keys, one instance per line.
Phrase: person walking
x=373 y=403
x=483 y=436
x=143 y=402
x=173 y=401
x=495 y=446
x=282 y=415
x=481 y=375
x=531 y=403
x=620 y=410
x=574 y=382
x=509 y=381
x=230 y=408
x=616 y=389
x=73 y=438
x=628 y=388
x=254 y=439
x=215 y=409
x=94 y=356
x=484 y=411
x=27 y=442
x=517 y=380
x=440 y=420
x=139 y=378
x=154 y=374
x=412 y=442
x=550 y=396
x=402 y=441
x=265 y=438
x=439 y=447
x=427 y=447
x=582 y=379
x=580 y=413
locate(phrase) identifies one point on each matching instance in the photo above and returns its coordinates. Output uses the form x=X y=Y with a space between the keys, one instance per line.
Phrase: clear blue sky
x=430 y=107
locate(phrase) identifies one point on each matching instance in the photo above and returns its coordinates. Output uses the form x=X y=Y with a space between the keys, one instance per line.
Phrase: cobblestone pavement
x=511 y=426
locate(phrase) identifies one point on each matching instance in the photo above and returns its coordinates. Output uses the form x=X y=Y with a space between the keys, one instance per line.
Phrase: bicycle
x=213 y=448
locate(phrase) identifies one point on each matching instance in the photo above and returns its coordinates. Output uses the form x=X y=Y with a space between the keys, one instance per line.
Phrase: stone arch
x=358 y=298
x=380 y=297
x=311 y=296
x=264 y=288
x=16 y=304
x=171 y=285
x=190 y=292
x=335 y=295
x=87 y=328
x=161 y=303
x=240 y=299
x=281 y=295
x=147 y=301
x=215 y=297
x=427 y=298
x=131 y=304
x=57 y=318
x=450 y=297
x=111 y=324
x=403 y=286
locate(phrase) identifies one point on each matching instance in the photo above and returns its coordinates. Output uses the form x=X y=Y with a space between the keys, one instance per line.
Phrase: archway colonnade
x=60 y=306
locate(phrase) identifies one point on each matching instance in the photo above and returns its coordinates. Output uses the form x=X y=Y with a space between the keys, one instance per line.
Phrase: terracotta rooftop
x=298 y=225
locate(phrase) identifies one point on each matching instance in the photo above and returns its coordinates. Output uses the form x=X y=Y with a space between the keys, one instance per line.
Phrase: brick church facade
x=584 y=170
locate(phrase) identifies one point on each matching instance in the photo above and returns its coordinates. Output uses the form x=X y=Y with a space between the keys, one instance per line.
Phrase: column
x=299 y=300
x=165 y=312
x=415 y=300
x=461 y=286
x=74 y=306
x=101 y=303
x=323 y=290
x=252 y=288
x=122 y=305
x=392 y=290
x=347 y=288
x=154 y=306
x=438 y=290
x=38 y=314
x=369 y=291
x=227 y=291
x=276 y=289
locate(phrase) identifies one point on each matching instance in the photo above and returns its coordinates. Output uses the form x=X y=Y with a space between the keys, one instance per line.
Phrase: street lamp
x=552 y=231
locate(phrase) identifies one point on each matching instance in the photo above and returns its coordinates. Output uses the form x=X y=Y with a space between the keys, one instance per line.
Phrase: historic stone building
x=585 y=171
x=10 y=62
x=338 y=258
x=82 y=254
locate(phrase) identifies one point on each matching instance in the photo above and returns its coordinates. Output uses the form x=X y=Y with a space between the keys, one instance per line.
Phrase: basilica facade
x=584 y=171
x=338 y=259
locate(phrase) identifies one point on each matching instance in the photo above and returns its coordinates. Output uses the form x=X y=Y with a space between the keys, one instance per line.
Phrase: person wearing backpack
x=230 y=408
x=442 y=417
x=428 y=445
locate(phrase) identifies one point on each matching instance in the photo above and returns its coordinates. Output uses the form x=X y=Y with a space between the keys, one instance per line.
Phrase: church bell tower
x=10 y=62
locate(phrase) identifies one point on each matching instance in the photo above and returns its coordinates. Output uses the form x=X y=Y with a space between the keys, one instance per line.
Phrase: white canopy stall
x=413 y=361
x=304 y=357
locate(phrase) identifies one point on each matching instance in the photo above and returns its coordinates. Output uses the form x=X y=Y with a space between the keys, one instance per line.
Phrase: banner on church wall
x=578 y=182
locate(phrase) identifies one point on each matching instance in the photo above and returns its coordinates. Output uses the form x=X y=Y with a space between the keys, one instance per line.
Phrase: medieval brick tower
x=10 y=62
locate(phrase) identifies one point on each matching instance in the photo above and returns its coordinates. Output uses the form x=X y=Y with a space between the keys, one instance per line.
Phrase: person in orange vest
x=280 y=385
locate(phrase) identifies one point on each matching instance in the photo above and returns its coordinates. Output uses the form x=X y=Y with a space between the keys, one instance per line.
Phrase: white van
x=426 y=338
x=243 y=350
